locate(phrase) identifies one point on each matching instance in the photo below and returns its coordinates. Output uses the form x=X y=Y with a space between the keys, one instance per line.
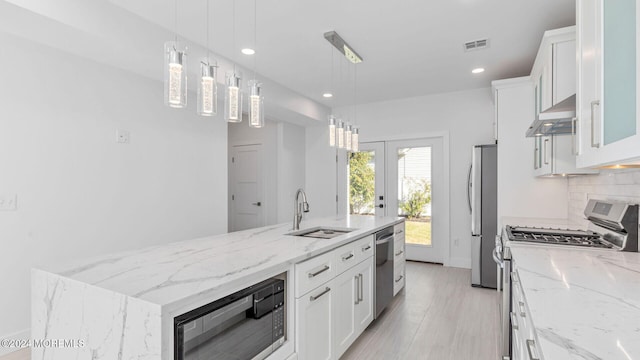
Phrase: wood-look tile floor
x=438 y=316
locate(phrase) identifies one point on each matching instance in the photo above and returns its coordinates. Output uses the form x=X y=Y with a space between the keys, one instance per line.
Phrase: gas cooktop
x=557 y=236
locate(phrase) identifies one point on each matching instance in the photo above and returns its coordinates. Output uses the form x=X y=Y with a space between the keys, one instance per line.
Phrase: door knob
x=257 y=203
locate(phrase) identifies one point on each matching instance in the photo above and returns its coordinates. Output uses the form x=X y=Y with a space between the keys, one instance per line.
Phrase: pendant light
x=340 y=133
x=208 y=87
x=347 y=137
x=256 y=101
x=175 y=71
x=355 y=145
x=355 y=132
x=233 y=93
x=332 y=131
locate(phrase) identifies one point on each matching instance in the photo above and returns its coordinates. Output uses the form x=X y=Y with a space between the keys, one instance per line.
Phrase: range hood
x=557 y=120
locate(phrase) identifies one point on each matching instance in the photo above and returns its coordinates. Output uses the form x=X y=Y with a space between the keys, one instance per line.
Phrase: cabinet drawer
x=398 y=230
x=364 y=248
x=314 y=272
x=398 y=250
x=398 y=279
x=344 y=258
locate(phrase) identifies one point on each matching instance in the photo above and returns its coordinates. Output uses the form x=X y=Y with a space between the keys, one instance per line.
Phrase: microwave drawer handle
x=325 y=268
x=316 y=297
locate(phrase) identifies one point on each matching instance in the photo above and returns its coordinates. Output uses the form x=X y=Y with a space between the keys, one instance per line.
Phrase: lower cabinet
x=399 y=261
x=330 y=317
x=524 y=341
x=314 y=323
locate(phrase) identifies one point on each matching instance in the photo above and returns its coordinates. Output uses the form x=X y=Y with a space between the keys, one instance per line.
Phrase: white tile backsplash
x=621 y=185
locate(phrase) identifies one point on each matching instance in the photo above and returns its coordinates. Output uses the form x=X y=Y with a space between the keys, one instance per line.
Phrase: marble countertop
x=584 y=303
x=169 y=274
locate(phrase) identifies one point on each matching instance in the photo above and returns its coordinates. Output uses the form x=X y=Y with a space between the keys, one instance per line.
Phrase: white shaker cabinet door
x=364 y=306
x=314 y=323
x=345 y=298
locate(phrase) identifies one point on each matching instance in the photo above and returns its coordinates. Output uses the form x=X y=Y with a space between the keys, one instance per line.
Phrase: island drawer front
x=314 y=272
x=398 y=230
x=345 y=258
x=398 y=277
x=364 y=248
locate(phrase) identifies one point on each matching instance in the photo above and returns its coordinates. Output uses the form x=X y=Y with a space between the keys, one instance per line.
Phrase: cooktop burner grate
x=559 y=237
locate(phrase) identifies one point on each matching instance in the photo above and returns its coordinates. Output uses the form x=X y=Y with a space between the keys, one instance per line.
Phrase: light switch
x=122 y=136
x=8 y=202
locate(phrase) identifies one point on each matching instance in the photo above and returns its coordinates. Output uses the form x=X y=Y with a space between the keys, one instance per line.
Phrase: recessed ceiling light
x=327 y=95
x=248 y=51
x=477 y=70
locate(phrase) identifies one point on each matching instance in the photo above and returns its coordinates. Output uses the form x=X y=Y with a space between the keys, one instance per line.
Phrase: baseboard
x=464 y=263
x=20 y=335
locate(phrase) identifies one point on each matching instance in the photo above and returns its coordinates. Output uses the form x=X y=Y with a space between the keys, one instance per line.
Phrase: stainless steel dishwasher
x=384 y=269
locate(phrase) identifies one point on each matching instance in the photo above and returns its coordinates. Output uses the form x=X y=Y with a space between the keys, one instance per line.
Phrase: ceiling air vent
x=476 y=44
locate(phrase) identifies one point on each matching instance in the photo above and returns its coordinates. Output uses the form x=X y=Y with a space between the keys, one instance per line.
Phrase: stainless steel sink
x=321 y=232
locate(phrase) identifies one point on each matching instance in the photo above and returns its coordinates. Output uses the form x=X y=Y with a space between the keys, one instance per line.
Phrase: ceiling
x=410 y=47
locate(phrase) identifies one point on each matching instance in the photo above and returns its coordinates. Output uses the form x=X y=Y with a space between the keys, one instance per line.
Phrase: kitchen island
x=583 y=303
x=122 y=306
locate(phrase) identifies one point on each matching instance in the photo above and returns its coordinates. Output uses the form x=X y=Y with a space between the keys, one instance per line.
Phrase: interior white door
x=415 y=183
x=367 y=173
x=247 y=187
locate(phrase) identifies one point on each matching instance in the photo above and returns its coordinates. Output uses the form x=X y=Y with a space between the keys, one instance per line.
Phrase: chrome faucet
x=299 y=208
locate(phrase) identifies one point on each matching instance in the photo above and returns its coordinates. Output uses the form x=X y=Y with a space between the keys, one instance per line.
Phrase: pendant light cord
x=175 y=19
x=208 y=19
x=255 y=36
x=234 y=37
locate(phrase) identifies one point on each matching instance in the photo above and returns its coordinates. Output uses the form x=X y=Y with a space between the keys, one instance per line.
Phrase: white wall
x=520 y=194
x=291 y=167
x=619 y=185
x=467 y=116
x=79 y=192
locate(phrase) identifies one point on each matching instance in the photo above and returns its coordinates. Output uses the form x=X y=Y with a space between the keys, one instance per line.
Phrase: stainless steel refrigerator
x=482 y=192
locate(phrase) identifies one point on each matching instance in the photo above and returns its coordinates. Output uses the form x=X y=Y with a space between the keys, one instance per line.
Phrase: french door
x=403 y=178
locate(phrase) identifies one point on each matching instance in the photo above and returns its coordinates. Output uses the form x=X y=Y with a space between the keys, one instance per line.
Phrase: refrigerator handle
x=469 y=188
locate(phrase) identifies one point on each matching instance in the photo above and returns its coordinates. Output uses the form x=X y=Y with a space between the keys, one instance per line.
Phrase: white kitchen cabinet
x=364 y=308
x=314 y=323
x=607 y=117
x=353 y=307
x=554 y=70
x=554 y=155
x=524 y=339
x=399 y=260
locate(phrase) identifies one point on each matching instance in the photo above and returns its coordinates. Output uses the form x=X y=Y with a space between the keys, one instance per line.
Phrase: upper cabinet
x=608 y=124
x=554 y=78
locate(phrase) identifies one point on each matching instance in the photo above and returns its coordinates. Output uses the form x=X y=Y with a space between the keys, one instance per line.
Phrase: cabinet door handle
x=535 y=158
x=400 y=278
x=594 y=144
x=399 y=232
x=530 y=346
x=316 y=297
x=365 y=248
x=399 y=253
x=546 y=153
x=356 y=288
x=345 y=258
x=521 y=306
x=325 y=268
x=514 y=322
x=361 y=282
x=514 y=276
x=257 y=203
x=574 y=143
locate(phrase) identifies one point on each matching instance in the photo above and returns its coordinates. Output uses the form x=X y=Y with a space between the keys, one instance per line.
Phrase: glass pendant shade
x=233 y=98
x=347 y=137
x=355 y=141
x=340 y=134
x=175 y=76
x=207 y=90
x=332 y=131
x=256 y=105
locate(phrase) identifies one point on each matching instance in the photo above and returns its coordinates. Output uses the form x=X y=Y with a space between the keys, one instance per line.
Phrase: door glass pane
x=362 y=183
x=414 y=193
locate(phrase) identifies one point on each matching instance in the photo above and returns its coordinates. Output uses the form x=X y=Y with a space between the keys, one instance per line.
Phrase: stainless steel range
x=612 y=225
